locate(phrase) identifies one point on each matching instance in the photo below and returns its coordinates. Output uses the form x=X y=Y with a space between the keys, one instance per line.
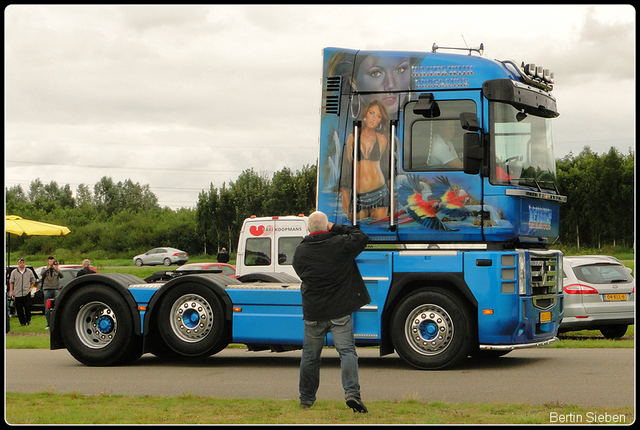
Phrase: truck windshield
x=522 y=148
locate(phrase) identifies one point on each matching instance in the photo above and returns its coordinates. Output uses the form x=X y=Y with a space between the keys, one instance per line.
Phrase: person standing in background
x=223 y=256
x=86 y=269
x=20 y=283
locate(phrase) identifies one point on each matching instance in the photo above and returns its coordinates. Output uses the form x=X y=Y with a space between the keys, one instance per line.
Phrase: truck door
x=288 y=235
x=436 y=200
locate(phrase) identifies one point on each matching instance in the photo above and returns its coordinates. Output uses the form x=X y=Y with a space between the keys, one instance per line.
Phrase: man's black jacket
x=332 y=286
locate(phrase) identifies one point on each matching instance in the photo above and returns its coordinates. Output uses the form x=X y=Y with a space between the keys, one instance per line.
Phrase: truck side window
x=286 y=247
x=258 y=252
x=435 y=143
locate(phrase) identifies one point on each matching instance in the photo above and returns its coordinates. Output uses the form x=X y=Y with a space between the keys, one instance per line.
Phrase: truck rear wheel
x=97 y=327
x=191 y=320
x=432 y=329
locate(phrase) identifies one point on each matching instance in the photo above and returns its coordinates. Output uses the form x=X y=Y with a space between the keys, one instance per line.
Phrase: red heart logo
x=256 y=231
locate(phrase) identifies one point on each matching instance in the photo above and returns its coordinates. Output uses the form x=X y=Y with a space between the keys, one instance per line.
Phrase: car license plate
x=545 y=317
x=615 y=297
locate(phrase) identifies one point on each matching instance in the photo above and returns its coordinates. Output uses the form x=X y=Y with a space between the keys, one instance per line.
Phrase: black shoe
x=357 y=405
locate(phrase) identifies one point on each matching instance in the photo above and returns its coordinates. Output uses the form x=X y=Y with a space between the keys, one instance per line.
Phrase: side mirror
x=426 y=106
x=473 y=153
x=469 y=121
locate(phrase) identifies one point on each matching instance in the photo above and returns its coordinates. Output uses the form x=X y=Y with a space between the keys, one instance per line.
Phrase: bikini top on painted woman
x=374 y=155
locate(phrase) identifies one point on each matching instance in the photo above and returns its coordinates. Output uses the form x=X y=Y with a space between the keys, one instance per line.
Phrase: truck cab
x=460 y=148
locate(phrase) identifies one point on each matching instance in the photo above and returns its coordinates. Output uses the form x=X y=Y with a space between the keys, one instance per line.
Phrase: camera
x=55 y=262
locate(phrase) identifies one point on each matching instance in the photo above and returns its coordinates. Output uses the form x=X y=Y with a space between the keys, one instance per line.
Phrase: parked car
x=156 y=256
x=227 y=269
x=165 y=275
x=599 y=294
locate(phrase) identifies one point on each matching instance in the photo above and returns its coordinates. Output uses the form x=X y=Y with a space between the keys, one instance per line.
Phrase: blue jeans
x=49 y=294
x=341 y=330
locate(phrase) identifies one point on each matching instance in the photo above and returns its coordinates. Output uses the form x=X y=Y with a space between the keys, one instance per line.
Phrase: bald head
x=318 y=221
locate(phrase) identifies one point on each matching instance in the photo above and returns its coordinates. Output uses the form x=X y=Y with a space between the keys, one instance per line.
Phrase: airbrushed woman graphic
x=372 y=200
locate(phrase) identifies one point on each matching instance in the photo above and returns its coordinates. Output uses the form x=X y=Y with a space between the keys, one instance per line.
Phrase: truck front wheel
x=97 y=327
x=191 y=320
x=432 y=329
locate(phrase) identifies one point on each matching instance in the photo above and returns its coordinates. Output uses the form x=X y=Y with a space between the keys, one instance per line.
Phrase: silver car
x=599 y=294
x=156 y=256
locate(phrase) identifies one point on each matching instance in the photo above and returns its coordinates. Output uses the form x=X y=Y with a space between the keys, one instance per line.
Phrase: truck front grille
x=544 y=274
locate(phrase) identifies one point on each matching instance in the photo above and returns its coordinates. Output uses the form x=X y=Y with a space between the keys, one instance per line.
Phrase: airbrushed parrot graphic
x=430 y=204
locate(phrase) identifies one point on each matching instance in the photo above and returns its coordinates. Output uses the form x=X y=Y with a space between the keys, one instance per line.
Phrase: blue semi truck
x=445 y=160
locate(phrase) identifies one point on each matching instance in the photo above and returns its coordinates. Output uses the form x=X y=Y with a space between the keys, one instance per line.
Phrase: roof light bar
x=538 y=72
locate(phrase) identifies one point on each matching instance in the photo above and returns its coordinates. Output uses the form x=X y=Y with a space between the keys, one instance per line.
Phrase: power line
x=233 y=147
x=149 y=169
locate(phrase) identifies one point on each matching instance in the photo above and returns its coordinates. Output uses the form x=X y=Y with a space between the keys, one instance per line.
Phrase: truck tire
x=432 y=329
x=97 y=327
x=191 y=320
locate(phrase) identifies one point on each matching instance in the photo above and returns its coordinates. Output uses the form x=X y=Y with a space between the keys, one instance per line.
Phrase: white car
x=156 y=256
x=599 y=294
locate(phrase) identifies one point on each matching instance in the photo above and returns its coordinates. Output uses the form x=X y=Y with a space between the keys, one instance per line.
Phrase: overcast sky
x=179 y=97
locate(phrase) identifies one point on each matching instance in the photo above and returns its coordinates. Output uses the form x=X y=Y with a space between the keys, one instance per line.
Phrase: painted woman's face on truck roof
x=384 y=74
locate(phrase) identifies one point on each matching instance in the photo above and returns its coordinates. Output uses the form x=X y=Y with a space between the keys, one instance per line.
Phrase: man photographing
x=50 y=284
x=332 y=289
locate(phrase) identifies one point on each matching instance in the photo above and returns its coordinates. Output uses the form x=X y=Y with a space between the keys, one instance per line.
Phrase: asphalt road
x=584 y=377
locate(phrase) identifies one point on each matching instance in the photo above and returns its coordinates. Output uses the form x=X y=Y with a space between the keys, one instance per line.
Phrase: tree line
x=600 y=207
x=121 y=219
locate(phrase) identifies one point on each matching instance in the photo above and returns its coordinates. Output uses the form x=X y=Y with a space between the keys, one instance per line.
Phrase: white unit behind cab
x=267 y=244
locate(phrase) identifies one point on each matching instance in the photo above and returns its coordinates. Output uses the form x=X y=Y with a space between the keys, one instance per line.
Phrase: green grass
x=74 y=408
x=593 y=339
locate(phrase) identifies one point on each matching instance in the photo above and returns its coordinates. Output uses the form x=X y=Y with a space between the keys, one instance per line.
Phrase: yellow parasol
x=17 y=225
